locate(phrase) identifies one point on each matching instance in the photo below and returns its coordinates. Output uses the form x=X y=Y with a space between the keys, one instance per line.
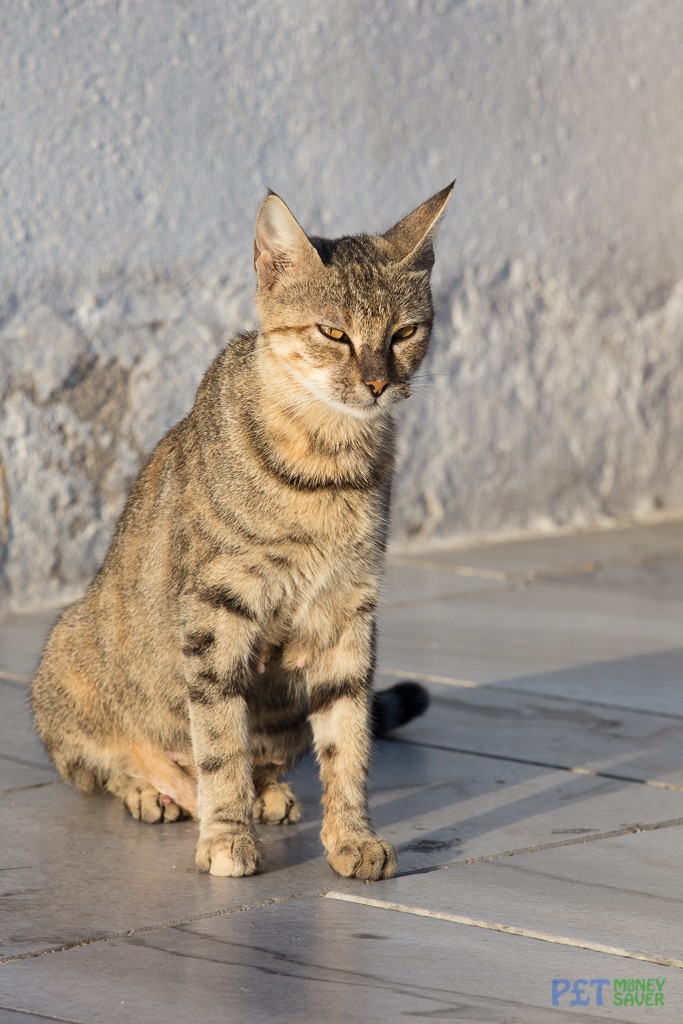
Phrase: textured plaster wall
x=136 y=140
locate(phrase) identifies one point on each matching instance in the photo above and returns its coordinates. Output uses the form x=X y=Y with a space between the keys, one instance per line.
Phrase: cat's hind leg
x=142 y=801
x=280 y=736
x=275 y=802
x=88 y=754
x=152 y=786
x=88 y=766
x=70 y=720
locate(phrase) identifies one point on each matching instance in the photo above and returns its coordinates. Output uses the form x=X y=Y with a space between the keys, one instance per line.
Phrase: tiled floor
x=537 y=809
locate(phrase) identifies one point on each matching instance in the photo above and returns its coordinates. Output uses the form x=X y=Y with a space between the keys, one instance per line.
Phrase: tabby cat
x=233 y=619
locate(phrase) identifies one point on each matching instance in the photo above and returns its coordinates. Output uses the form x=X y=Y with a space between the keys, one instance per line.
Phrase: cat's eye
x=404 y=332
x=333 y=332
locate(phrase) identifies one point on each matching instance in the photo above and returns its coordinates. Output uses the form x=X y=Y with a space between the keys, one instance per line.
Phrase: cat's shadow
x=417 y=797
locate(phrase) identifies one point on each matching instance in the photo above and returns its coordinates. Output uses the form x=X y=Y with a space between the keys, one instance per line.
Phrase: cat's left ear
x=412 y=239
x=281 y=248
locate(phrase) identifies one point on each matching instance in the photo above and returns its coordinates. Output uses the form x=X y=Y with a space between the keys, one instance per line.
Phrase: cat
x=232 y=622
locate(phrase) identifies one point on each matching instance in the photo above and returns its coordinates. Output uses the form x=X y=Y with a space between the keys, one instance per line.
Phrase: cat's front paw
x=368 y=858
x=277 y=804
x=232 y=855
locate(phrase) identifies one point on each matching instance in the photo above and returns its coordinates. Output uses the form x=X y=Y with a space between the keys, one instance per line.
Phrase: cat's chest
x=321 y=573
x=329 y=559
x=316 y=605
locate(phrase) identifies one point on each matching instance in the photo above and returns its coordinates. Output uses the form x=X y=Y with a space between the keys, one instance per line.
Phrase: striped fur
x=233 y=620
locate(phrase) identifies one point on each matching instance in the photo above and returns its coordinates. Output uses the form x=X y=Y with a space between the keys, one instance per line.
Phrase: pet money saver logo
x=608 y=992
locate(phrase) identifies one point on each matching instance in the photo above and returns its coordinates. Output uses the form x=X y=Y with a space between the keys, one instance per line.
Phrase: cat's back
x=171 y=496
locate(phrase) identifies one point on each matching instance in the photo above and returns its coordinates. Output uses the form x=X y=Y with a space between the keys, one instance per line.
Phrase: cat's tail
x=396 y=706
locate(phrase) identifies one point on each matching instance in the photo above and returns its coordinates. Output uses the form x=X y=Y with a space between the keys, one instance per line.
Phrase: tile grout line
x=591 y=772
x=528 y=933
x=529 y=576
x=426 y=565
x=472 y=684
x=509 y=587
x=449 y=598
x=31 y=785
x=13 y=677
x=43 y=1016
x=467 y=684
x=144 y=929
x=512 y=580
x=616 y=833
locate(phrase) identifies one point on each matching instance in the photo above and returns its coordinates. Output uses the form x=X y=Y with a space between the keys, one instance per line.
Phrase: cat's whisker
x=457 y=424
x=452 y=386
x=430 y=375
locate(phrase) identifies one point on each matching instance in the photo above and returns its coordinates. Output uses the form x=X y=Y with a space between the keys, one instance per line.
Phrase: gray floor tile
x=22 y=636
x=609 y=638
x=616 y=892
x=559 y=554
x=23 y=761
x=75 y=867
x=648 y=682
x=660 y=583
x=320 y=960
x=404 y=584
x=503 y=723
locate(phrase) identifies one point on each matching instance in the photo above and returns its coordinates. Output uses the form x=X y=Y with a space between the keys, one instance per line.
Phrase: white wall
x=137 y=139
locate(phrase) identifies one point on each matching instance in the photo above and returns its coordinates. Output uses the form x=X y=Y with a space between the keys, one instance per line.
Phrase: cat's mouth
x=379 y=400
x=357 y=403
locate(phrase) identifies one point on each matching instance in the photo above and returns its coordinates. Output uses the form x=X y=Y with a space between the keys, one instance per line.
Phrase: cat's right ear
x=281 y=248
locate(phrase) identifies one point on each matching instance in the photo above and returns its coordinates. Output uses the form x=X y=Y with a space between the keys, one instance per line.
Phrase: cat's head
x=349 y=319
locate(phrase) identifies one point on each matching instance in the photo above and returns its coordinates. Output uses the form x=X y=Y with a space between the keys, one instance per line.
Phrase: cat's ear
x=281 y=248
x=412 y=239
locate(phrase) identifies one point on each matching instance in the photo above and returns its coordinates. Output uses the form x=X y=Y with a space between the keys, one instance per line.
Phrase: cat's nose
x=377 y=386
